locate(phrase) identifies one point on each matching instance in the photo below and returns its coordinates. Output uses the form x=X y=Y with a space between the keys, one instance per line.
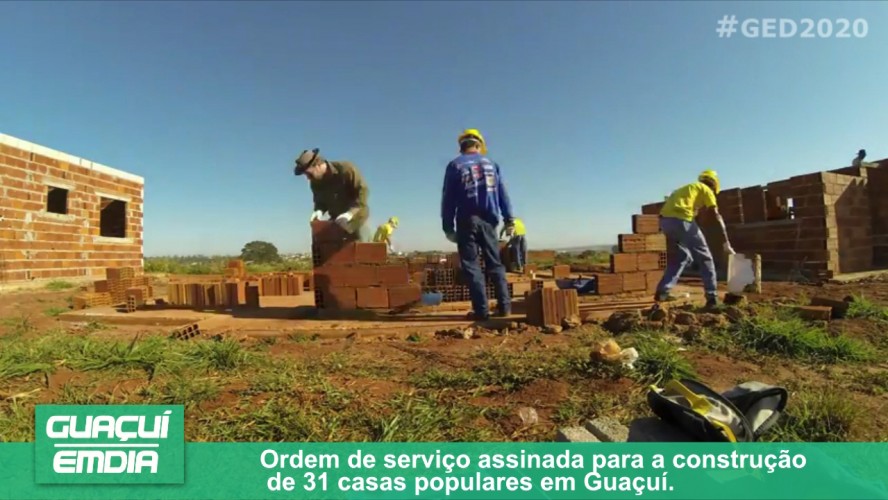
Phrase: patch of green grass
x=795 y=338
x=299 y=337
x=659 y=360
x=17 y=326
x=863 y=308
x=16 y=423
x=182 y=390
x=819 y=415
x=279 y=420
x=436 y=378
x=414 y=337
x=59 y=285
x=53 y=312
x=428 y=417
x=570 y=411
x=225 y=355
x=875 y=383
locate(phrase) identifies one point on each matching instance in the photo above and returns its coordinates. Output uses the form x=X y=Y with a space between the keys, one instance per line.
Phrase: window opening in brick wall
x=112 y=218
x=57 y=200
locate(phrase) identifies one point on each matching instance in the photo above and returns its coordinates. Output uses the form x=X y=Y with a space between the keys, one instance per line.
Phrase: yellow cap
x=471 y=132
x=393 y=221
x=712 y=176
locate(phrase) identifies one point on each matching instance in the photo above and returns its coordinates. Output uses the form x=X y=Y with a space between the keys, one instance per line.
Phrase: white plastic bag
x=741 y=273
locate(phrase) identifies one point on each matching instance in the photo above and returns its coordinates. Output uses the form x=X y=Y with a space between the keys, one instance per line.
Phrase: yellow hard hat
x=393 y=221
x=471 y=132
x=712 y=176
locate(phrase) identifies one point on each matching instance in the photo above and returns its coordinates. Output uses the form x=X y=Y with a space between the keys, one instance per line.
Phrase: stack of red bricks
x=639 y=264
x=236 y=269
x=119 y=285
x=354 y=275
x=550 y=306
x=218 y=292
x=447 y=279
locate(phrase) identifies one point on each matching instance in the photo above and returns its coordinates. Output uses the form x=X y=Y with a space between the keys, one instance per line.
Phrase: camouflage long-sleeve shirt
x=342 y=190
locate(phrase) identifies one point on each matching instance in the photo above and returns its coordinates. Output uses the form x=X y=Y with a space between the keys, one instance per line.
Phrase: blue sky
x=591 y=108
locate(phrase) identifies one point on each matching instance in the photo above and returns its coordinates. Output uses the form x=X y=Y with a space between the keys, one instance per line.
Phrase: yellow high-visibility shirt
x=519 y=228
x=685 y=201
x=383 y=233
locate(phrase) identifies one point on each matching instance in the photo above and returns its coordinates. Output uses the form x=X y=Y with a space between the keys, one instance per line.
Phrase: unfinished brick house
x=63 y=216
x=814 y=226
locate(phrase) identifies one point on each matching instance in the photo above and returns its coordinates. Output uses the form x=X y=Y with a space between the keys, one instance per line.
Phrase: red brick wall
x=36 y=244
x=877 y=186
x=850 y=223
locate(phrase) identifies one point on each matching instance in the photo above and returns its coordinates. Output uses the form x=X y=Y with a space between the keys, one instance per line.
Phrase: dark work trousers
x=518 y=246
x=476 y=236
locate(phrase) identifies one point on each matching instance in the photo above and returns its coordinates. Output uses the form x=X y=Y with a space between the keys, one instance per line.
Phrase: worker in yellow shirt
x=384 y=233
x=686 y=241
x=517 y=243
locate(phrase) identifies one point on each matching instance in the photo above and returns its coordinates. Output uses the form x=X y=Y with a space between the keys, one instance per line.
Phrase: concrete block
x=575 y=435
x=608 y=430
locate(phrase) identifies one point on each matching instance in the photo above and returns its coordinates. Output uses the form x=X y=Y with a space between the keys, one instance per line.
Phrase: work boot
x=711 y=303
x=473 y=316
x=502 y=312
x=665 y=297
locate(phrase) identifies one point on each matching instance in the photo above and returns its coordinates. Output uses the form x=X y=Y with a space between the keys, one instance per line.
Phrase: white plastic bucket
x=741 y=272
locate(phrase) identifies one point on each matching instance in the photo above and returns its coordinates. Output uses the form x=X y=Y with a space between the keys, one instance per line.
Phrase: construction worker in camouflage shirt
x=339 y=190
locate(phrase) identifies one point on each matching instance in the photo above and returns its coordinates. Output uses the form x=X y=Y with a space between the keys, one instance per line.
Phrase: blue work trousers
x=686 y=245
x=474 y=237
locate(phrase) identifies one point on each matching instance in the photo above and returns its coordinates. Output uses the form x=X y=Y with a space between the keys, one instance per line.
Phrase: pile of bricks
x=218 y=292
x=447 y=279
x=550 y=306
x=353 y=275
x=86 y=300
x=119 y=285
x=818 y=224
x=639 y=264
x=236 y=270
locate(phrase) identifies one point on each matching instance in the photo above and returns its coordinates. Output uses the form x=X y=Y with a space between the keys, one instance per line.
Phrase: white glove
x=316 y=215
x=451 y=237
x=344 y=219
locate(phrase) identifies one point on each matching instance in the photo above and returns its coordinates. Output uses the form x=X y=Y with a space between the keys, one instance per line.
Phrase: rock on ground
x=622 y=322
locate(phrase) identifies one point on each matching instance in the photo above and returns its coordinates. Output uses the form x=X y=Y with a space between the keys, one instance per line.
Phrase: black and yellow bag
x=741 y=414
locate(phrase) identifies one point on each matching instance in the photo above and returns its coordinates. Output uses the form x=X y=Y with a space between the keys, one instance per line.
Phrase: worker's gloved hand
x=729 y=249
x=343 y=220
x=315 y=215
x=451 y=237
